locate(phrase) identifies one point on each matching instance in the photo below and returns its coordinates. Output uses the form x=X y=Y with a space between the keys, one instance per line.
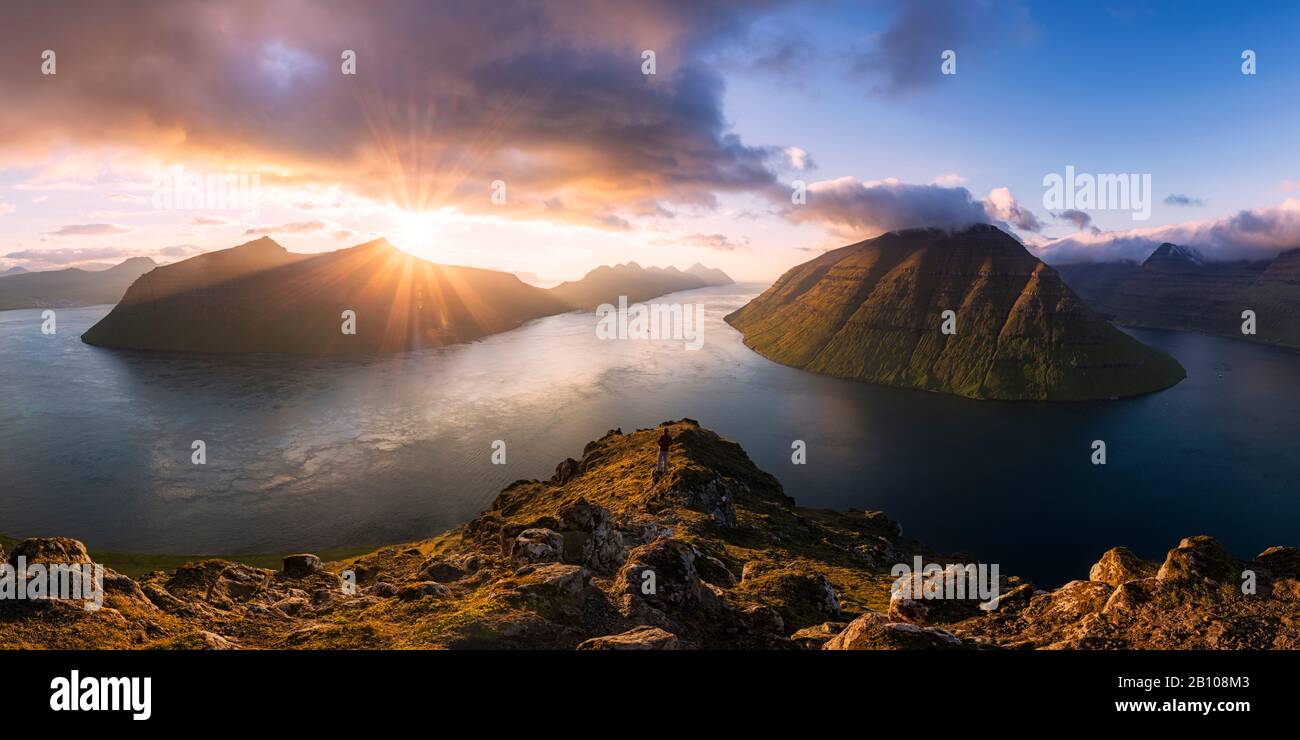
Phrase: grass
x=137 y=564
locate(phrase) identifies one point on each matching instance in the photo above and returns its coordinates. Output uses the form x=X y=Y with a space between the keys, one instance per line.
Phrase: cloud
x=548 y=97
x=88 y=230
x=1253 y=234
x=303 y=227
x=799 y=159
x=209 y=221
x=720 y=242
x=6 y=208
x=1001 y=205
x=950 y=180
x=70 y=255
x=904 y=58
x=1175 y=199
x=868 y=208
x=1080 y=219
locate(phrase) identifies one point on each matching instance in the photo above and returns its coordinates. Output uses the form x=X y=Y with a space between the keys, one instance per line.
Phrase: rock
x=1129 y=596
x=301 y=565
x=213 y=641
x=1199 y=558
x=537 y=546
x=663 y=574
x=421 y=589
x=590 y=538
x=752 y=568
x=947 y=595
x=566 y=471
x=813 y=638
x=293 y=606
x=1118 y=565
x=762 y=620
x=1281 y=561
x=383 y=589
x=715 y=497
x=49 y=550
x=440 y=571
x=638 y=638
x=552 y=580
x=1077 y=599
x=873 y=631
x=714 y=571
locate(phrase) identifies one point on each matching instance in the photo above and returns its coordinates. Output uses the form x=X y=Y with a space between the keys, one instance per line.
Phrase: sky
x=529 y=137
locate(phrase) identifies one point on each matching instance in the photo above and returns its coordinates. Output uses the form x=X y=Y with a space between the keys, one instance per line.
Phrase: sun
x=417 y=232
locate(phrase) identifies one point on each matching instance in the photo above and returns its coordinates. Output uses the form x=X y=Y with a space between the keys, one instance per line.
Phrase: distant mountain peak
x=1170 y=255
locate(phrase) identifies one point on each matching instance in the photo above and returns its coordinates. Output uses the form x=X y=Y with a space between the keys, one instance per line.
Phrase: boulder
x=1199 y=558
x=939 y=596
x=552 y=580
x=440 y=571
x=49 y=550
x=590 y=537
x=874 y=631
x=714 y=571
x=537 y=545
x=814 y=637
x=301 y=565
x=663 y=574
x=1118 y=565
x=638 y=638
x=1281 y=561
x=421 y=589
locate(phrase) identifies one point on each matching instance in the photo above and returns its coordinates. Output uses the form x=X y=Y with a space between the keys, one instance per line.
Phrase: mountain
x=16 y=270
x=605 y=284
x=872 y=311
x=70 y=287
x=562 y=563
x=258 y=297
x=710 y=275
x=1175 y=289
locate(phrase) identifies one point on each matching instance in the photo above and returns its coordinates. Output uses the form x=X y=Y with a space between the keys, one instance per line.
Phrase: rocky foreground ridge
x=564 y=563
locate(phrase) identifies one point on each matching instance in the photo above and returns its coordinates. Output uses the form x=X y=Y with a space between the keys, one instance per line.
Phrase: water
x=308 y=454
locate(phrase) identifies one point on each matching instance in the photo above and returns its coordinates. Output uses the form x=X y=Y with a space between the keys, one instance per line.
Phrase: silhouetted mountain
x=70 y=287
x=258 y=297
x=605 y=284
x=1175 y=289
x=872 y=311
x=15 y=270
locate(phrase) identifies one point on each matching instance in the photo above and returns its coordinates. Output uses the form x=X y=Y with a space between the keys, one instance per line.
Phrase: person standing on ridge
x=665 y=441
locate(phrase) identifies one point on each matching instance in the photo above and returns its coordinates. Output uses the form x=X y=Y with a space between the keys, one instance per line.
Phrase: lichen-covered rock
x=714 y=571
x=638 y=638
x=662 y=574
x=1118 y=565
x=1199 y=558
x=814 y=637
x=943 y=595
x=590 y=538
x=552 y=580
x=440 y=570
x=1281 y=561
x=874 y=631
x=537 y=545
x=421 y=589
x=49 y=550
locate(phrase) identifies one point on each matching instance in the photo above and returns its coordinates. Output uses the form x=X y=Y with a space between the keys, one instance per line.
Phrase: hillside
x=71 y=287
x=1175 y=289
x=258 y=297
x=605 y=284
x=872 y=311
x=562 y=563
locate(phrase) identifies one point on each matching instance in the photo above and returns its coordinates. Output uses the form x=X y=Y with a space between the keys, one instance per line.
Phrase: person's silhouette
x=665 y=441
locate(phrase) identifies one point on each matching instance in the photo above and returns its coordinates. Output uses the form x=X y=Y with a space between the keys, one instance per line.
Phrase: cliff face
x=605 y=284
x=607 y=555
x=70 y=287
x=872 y=311
x=258 y=297
x=1174 y=289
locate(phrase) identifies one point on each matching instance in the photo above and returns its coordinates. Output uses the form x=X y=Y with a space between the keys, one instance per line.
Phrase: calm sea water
x=304 y=454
